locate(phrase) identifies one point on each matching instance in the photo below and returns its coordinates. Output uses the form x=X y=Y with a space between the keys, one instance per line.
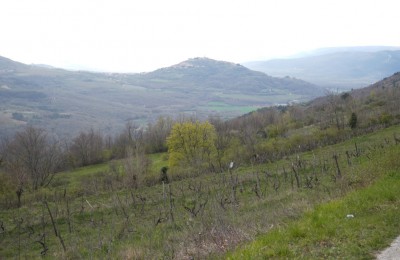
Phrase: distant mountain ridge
x=330 y=50
x=344 y=68
x=8 y=64
x=69 y=101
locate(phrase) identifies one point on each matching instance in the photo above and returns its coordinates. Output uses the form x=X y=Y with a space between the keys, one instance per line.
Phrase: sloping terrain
x=66 y=101
x=344 y=69
x=208 y=74
x=305 y=183
x=196 y=216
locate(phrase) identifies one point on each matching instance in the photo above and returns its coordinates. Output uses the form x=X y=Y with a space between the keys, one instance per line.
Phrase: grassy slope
x=327 y=232
x=100 y=228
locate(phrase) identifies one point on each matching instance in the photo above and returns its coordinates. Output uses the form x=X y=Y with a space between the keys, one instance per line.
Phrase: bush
x=353 y=121
x=385 y=119
x=7 y=190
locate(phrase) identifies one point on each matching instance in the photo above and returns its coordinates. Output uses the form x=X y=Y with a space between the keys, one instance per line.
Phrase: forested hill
x=68 y=101
x=364 y=109
x=208 y=74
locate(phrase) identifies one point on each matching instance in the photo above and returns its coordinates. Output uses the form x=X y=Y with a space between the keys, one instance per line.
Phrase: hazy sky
x=135 y=36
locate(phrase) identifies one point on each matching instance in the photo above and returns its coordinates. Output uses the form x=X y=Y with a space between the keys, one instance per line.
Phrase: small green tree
x=353 y=121
x=192 y=145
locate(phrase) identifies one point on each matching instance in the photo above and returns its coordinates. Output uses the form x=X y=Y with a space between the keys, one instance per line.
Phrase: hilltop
x=209 y=74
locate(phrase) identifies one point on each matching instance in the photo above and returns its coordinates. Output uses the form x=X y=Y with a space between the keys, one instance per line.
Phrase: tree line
x=31 y=158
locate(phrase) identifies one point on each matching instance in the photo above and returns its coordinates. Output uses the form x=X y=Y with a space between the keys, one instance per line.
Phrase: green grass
x=276 y=98
x=158 y=161
x=72 y=180
x=291 y=215
x=328 y=232
x=228 y=108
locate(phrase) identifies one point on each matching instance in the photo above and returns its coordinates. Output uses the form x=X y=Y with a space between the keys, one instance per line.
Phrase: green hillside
x=277 y=182
x=97 y=219
x=356 y=226
x=67 y=101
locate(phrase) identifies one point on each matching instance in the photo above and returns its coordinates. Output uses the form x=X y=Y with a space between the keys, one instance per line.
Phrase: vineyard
x=85 y=213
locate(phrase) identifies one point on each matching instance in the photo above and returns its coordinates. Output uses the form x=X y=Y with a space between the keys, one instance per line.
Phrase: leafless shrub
x=33 y=158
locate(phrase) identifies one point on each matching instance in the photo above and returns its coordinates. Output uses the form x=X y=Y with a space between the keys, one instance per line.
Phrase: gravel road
x=392 y=252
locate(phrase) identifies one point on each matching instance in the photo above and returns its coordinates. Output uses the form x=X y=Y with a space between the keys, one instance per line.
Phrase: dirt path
x=392 y=252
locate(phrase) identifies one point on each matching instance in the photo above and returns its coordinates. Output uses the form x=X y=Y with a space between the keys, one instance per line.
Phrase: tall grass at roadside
x=353 y=227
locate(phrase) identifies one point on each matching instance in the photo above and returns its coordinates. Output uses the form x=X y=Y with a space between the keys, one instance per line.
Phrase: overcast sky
x=143 y=35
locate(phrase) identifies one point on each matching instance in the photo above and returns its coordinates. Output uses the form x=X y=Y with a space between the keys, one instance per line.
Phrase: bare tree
x=222 y=141
x=136 y=163
x=156 y=135
x=336 y=108
x=32 y=157
x=129 y=141
x=87 y=148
